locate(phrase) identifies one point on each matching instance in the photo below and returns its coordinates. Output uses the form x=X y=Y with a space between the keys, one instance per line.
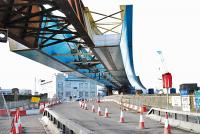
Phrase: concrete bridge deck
x=111 y=125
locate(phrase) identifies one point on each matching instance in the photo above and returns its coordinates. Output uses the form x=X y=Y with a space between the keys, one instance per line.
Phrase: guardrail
x=66 y=126
x=185 y=120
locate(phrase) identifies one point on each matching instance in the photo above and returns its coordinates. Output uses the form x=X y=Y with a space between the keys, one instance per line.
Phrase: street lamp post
x=166 y=77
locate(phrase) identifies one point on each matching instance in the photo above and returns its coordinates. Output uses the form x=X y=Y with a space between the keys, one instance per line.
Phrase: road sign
x=184 y=92
x=185 y=103
x=35 y=99
x=176 y=101
x=167 y=80
x=197 y=100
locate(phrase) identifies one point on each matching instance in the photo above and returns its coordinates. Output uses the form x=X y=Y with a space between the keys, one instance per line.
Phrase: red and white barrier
x=29 y=109
x=3 y=112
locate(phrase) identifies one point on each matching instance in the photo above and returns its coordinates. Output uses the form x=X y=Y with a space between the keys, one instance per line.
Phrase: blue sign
x=197 y=100
x=184 y=92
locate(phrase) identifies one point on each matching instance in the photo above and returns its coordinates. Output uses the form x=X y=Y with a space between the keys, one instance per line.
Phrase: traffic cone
x=99 y=111
x=140 y=110
x=82 y=106
x=93 y=110
x=85 y=106
x=167 y=129
x=19 y=125
x=13 y=131
x=16 y=127
x=141 y=122
x=121 y=120
x=19 y=122
x=106 y=113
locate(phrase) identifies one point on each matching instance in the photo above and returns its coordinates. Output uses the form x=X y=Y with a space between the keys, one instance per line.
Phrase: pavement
x=30 y=124
x=5 y=125
x=111 y=125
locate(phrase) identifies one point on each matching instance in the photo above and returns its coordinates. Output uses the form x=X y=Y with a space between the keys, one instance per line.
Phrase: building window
x=86 y=94
x=80 y=85
x=92 y=94
x=92 y=85
x=60 y=85
x=68 y=94
x=68 y=84
x=86 y=85
x=80 y=94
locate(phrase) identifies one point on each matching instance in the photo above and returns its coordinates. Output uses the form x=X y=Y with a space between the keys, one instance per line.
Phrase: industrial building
x=63 y=86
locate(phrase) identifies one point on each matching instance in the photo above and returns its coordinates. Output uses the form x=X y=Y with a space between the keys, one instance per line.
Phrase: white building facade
x=63 y=86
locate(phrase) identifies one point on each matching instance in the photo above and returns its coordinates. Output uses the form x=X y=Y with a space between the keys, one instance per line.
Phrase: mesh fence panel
x=5 y=119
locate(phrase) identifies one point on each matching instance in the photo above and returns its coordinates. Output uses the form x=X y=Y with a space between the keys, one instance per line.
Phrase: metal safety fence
x=175 y=102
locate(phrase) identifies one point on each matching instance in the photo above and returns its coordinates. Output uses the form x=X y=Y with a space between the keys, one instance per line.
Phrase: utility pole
x=35 y=86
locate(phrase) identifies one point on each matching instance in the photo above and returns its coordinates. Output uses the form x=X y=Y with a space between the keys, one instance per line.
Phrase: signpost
x=167 y=83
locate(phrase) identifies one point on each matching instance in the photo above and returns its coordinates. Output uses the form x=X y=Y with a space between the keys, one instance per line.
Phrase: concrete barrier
x=65 y=123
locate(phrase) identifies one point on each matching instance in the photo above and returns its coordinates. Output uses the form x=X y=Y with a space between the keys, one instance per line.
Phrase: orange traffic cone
x=121 y=120
x=99 y=111
x=106 y=113
x=93 y=110
x=167 y=129
x=141 y=122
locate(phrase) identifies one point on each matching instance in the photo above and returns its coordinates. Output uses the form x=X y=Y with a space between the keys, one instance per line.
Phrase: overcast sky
x=171 y=26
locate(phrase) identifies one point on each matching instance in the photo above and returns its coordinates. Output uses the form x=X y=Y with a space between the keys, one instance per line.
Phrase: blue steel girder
x=64 y=38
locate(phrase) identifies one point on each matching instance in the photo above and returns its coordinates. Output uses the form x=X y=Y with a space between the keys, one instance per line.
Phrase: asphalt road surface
x=111 y=125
